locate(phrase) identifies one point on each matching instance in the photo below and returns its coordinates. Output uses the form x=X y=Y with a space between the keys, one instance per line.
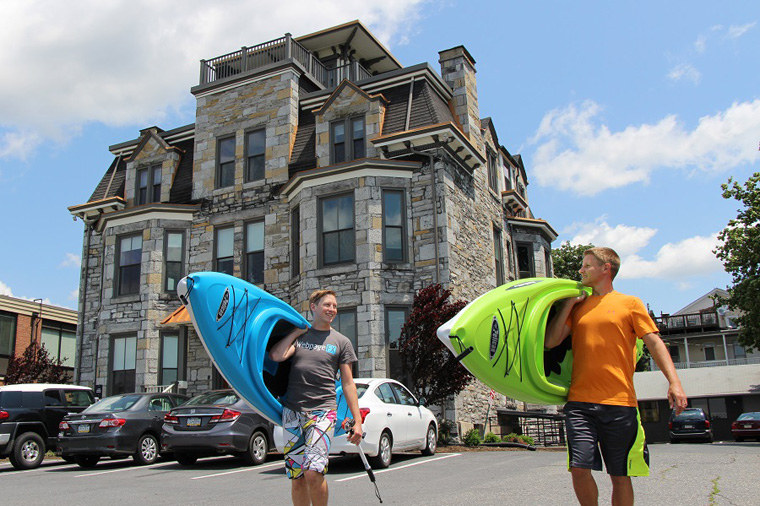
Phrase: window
x=395 y=317
x=709 y=351
x=225 y=175
x=128 y=266
x=254 y=252
x=739 y=351
x=225 y=248
x=255 y=155
x=498 y=254
x=169 y=359
x=394 y=235
x=148 y=185
x=174 y=255
x=345 y=323
x=649 y=411
x=337 y=224
x=493 y=179
x=123 y=365
x=7 y=335
x=525 y=260
x=60 y=343
x=675 y=353
x=295 y=241
x=347 y=140
x=403 y=395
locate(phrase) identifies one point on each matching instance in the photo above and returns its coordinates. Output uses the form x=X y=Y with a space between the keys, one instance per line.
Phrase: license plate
x=688 y=426
x=193 y=421
x=748 y=426
x=83 y=428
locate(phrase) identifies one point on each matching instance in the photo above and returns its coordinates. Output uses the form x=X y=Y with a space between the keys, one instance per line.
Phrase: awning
x=177 y=318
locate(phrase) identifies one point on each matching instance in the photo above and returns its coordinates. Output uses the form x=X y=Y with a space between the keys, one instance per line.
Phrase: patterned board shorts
x=615 y=429
x=308 y=441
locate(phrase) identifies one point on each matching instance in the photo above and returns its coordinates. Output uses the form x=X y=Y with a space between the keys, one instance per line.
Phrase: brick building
x=22 y=321
x=317 y=161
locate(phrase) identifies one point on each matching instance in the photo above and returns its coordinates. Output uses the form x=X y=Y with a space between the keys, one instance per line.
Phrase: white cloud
x=692 y=257
x=71 y=260
x=700 y=45
x=133 y=61
x=5 y=290
x=684 y=71
x=624 y=239
x=736 y=31
x=578 y=152
x=73 y=295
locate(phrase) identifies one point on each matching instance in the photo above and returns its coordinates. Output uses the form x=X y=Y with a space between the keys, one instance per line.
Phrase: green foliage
x=525 y=439
x=491 y=438
x=567 y=260
x=518 y=438
x=429 y=368
x=509 y=438
x=740 y=254
x=35 y=366
x=472 y=438
x=445 y=428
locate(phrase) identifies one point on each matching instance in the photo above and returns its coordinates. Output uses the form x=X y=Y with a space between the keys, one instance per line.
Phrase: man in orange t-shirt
x=601 y=412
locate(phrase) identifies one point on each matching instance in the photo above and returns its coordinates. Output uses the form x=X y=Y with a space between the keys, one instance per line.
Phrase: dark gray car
x=117 y=426
x=691 y=425
x=218 y=422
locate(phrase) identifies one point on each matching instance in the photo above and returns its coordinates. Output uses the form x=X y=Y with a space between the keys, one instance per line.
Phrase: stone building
x=317 y=161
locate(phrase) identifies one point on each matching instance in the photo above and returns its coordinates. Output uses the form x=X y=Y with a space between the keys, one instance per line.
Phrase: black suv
x=29 y=418
x=692 y=424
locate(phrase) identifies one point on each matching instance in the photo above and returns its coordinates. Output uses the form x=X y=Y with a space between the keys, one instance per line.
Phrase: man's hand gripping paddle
x=348 y=425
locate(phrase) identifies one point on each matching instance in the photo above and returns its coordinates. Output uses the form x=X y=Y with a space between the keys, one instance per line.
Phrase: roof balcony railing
x=247 y=59
x=685 y=323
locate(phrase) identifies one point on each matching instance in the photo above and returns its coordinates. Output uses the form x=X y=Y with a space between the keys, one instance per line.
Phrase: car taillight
x=4 y=415
x=63 y=426
x=670 y=425
x=364 y=412
x=169 y=418
x=707 y=424
x=734 y=425
x=112 y=422
x=229 y=415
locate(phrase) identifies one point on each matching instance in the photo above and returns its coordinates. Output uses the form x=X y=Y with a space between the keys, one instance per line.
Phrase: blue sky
x=628 y=115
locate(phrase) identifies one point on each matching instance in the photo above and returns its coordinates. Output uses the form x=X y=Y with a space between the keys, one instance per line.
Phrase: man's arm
x=557 y=330
x=285 y=348
x=352 y=400
x=661 y=356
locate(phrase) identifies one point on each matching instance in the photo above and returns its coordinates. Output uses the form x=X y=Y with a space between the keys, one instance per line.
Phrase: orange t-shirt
x=604 y=332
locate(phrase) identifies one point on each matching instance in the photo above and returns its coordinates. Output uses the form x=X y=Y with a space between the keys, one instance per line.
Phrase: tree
x=35 y=366
x=430 y=368
x=740 y=254
x=567 y=260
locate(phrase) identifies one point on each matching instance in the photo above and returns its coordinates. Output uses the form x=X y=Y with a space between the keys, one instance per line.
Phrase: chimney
x=458 y=71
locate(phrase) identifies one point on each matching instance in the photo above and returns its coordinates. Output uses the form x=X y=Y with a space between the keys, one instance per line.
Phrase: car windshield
x=689 y=415
x=749 y=416
x=114 y=403
x=218 y=398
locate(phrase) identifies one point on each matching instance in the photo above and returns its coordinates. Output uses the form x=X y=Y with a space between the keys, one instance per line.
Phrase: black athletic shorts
x=616 y=430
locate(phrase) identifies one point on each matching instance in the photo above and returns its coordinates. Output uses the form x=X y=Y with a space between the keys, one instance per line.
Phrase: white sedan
x=395 y=421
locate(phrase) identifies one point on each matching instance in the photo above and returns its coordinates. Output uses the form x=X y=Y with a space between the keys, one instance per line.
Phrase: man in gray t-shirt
x=308 y=415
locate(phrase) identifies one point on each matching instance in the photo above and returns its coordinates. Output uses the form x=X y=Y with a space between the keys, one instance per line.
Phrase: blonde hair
x=605 y=256
x=317 y=295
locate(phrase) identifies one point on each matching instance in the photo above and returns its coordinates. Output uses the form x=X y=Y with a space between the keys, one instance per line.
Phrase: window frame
x=492 y=164
x=531 y=260
x=222 y=165
x=13 y=325
x=351 y=313
x=113 y=370
x=59 y=329
x=262 y=155
x=162 y=356
x=321 y=230
x=402 y=227
x=498 y=253
x=247 y=273
x=349 y=140
x=393 y=352
x=231 y=258
x=119 y=275
x=150 y=187
x=181 y=262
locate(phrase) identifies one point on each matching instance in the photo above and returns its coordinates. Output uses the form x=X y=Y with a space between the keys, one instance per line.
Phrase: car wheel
x=147 y=450
x=431 y=441
x=185 y=459
x=28 y=451
x=384 y=452
x=87 y=461
x=258 y=447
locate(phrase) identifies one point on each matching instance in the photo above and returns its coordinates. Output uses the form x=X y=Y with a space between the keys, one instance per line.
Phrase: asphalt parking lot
x=694 y=474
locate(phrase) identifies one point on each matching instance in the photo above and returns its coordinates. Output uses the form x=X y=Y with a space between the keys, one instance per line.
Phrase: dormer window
x=347 y=139
x=148 y=185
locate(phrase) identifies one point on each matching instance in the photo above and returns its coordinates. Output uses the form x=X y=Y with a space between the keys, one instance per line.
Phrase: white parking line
x=130 y=468
x=449 y=455
x=256 y=468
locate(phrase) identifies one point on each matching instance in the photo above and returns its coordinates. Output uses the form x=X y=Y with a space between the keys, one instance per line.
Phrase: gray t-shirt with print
x=315 y=364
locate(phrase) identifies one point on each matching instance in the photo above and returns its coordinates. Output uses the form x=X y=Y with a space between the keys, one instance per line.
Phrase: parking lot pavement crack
x=668 y=469
x=714 y=492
